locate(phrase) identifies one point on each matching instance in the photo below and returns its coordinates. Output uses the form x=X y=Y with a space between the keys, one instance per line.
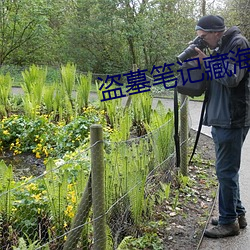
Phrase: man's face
x=212 y=38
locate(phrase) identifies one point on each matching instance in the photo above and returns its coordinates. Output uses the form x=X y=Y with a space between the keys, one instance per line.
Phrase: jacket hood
x=233 y=31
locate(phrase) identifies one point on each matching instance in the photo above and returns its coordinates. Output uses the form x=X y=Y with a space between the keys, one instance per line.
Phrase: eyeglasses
x=203 y=36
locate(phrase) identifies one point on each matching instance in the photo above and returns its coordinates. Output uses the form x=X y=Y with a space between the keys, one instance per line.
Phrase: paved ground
x=241 y=242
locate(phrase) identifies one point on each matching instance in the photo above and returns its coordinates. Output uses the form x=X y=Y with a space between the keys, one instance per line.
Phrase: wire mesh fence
x=55 y=210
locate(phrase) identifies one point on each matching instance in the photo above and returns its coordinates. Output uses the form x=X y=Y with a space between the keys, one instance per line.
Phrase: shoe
x=221 y=231
x=241 y=219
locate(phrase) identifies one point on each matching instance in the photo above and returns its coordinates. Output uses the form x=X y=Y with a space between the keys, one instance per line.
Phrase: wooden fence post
x=98 y=194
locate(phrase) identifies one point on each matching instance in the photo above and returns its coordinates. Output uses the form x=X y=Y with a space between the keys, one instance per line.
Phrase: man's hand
x=200 y=55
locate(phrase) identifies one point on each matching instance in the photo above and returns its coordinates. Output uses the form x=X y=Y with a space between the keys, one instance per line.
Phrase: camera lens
x=190 y=51
x=187 y=53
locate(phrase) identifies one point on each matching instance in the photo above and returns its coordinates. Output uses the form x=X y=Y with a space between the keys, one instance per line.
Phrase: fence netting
x=53 y=210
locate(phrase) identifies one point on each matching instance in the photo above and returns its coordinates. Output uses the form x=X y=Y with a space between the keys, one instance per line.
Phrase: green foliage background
x=105 y=36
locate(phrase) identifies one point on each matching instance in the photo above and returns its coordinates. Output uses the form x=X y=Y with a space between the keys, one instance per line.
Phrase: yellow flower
x=45 y=151
x=26 y=178
x=69 y=211
x=73 y=199
x=38 y=155
x=37 y=196
x=16 y=152
x=31 y=186
x=6 y=132
x=14 y=209
x=102 y=112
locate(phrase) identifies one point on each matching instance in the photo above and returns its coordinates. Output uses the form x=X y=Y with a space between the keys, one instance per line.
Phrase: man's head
x=211 y=28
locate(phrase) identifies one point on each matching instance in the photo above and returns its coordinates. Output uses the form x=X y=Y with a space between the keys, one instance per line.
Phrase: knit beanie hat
x=210 y=23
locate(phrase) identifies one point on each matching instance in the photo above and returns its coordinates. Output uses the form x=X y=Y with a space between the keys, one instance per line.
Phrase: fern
x=56 y=184
x=5 y=90
x=29 y=245
x=137 y=180
x=125 y=242
x=83 y=90
x=49 y=97
x=142 y=107
x=161 y=126
x=68 y=74
x=33 y=85
x=6 y=184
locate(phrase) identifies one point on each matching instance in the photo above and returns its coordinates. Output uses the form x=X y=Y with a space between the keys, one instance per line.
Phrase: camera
x=190 y=51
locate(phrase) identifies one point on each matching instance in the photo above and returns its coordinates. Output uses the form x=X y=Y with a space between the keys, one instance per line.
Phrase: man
x=228 y=112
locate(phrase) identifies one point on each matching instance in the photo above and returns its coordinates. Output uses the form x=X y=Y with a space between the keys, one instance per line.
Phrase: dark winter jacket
x=228 y=103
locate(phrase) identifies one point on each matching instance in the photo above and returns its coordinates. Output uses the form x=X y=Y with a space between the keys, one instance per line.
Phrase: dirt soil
x=25 y=164
x=187 y=222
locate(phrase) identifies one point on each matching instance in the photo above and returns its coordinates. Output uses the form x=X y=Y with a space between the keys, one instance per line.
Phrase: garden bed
x=178 y=221
x=150 y=205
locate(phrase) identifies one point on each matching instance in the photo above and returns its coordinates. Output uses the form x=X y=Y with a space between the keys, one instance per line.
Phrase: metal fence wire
x=95 y=200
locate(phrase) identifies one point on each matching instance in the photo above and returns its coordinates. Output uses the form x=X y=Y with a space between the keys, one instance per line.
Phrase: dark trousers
x=228 y=145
